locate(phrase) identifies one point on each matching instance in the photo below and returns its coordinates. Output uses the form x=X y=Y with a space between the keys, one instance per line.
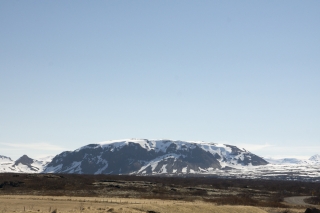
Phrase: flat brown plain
x=20 y=203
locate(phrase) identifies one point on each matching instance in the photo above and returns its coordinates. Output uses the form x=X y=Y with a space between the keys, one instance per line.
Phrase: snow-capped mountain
x=171 y=157
x=142 y=156
x=315 y=159
x=4 y=159
x=24 y=164
x=5 y=163
x=285 y=161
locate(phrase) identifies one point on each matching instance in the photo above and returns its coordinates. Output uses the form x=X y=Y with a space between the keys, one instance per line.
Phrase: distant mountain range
x=157 y=157
x=312 y=160
x=23 y=165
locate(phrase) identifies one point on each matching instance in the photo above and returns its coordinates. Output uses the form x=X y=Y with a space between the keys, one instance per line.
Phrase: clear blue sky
x=245 y=73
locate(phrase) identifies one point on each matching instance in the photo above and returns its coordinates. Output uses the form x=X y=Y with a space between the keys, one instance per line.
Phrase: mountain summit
x=143 y=156
x=315 y=158
x=25 y=160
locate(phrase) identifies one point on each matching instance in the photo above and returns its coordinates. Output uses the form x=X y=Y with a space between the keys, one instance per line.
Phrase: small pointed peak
x=24 y=159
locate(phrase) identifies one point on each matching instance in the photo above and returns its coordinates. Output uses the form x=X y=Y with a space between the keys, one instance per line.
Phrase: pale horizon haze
x=245 y=73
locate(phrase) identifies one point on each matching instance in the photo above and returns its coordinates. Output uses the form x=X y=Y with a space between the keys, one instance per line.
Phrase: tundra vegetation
x=123 y=193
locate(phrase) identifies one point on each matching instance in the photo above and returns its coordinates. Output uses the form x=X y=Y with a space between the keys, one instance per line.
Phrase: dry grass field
x=16 y=203
x=105 y=193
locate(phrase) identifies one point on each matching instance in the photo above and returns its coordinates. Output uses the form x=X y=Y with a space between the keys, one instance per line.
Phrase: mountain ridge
x=24 y=164
x=166 y=157
x=143 y=156
x=315 y=159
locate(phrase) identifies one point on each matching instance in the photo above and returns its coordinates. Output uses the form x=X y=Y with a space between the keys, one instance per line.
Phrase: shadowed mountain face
x=27 y=163
x=25 y=160
x=141 y=156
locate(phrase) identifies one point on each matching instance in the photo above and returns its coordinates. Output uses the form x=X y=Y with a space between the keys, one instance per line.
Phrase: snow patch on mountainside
x=45 y=160
x=4 y=159
x=99 y=171
x=53 y=169
x=5 y=164
x=154 y=163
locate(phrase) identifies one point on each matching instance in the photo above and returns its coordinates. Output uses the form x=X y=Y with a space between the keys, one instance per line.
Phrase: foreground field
x=15 y=203
x=105 y=193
